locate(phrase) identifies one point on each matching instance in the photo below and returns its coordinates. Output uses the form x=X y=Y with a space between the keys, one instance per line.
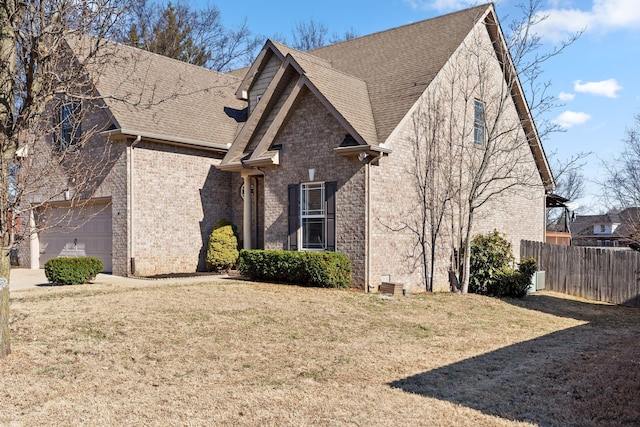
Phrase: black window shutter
x=294 y=206
x=330 y=189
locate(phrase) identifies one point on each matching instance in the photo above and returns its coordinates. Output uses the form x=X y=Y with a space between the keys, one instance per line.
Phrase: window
x=69 y=125
x=14 y=180
x=602 y=228
x=312 y=216
x=312 y=209
x=478 y=123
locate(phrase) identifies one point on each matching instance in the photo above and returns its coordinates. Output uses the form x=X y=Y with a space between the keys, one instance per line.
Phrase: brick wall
x=518 y=212
x=178 y=195
x=308 y=137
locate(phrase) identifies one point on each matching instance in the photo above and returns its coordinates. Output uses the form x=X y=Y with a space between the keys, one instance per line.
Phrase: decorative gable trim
x=233 y=161
x=263 y=57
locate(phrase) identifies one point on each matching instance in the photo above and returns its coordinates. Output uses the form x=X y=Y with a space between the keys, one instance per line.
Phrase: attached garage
x=76 y=232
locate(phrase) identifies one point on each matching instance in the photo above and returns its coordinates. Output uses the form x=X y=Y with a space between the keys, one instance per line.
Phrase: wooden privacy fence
x=597 y=274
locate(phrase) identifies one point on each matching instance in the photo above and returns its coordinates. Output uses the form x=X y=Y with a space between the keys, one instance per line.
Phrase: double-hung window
x=312 y=214
x=478 y=123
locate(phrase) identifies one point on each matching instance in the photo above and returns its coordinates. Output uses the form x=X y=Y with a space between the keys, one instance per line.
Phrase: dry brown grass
x=241 y=353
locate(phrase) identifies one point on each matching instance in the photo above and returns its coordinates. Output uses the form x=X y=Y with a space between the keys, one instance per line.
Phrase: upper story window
x=69 y=127
x=312 y=216
x=478 y=123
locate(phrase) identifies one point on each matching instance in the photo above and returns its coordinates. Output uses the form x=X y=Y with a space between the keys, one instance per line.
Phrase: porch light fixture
x=312 y=174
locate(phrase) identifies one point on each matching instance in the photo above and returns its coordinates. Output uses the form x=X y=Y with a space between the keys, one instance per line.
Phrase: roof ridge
x=447 y=15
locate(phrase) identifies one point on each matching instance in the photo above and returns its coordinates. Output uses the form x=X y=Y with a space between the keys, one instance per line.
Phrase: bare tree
x=40 y=78
x=430 y=161
x=622 y=185
x=570 y=182
x=349 y=34
x=309 y=35
x=487 y=145
x=313 y=34
x=529 y=56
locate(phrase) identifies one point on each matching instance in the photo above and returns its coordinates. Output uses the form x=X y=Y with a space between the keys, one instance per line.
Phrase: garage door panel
x=87 y=233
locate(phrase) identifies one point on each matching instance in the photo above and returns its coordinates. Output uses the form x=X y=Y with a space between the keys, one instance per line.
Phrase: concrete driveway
x=24 y=278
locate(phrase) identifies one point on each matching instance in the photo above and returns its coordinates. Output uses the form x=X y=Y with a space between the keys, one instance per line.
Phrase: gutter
x=124 y=133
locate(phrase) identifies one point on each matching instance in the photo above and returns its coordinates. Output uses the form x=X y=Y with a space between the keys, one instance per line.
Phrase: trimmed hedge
x=72 y=271
x=320 y=269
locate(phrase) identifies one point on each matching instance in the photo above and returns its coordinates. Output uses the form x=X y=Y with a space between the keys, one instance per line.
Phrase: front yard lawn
x=241 y=353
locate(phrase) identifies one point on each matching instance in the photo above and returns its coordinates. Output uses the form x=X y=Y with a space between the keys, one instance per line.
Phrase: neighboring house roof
x=161 y=98
x=626 y=221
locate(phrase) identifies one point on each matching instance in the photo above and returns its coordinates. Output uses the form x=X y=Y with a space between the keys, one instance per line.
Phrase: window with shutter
x=312 y=216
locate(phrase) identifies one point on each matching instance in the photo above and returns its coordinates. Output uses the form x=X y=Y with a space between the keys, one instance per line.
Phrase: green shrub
x=223 y=222
x=72 y=271
x=322 y=269
x=491 y=271
x=491 y=257
x=516 y=283
x=222 y=252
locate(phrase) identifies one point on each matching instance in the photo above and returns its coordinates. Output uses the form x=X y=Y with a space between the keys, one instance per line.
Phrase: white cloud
x=608 y=88
x=572 y=118
x=604 y=16
x=564 y=96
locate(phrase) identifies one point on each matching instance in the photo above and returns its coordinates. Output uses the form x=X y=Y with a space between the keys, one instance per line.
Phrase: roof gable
x=346 y=97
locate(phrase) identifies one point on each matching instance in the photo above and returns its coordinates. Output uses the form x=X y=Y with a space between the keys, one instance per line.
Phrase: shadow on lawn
x=586 y=375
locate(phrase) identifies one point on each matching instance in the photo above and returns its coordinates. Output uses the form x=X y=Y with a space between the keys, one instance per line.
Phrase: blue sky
x=596 y=78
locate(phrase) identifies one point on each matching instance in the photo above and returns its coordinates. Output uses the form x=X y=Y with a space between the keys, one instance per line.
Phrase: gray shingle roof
x=347 y=94
x=153 y=95
x=398 y=64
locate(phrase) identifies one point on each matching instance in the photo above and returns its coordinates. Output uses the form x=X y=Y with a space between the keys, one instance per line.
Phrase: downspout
x=367 y=173
x=132 y=246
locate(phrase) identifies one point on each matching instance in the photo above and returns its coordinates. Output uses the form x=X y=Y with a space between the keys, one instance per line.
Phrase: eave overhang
x=356 y=150
x=120 y=134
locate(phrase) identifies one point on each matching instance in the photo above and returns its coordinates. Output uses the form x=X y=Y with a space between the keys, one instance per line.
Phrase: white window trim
x=301 y=216
x=477 y=124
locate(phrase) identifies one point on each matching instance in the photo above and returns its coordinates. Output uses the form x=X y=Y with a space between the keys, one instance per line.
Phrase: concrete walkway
x=24 y=278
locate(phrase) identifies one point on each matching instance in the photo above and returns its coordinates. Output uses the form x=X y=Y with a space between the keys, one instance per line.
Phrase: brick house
x=302 y=150
x=614 y=229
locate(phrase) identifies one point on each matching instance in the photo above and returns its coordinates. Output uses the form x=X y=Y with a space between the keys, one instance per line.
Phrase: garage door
x=84 y=231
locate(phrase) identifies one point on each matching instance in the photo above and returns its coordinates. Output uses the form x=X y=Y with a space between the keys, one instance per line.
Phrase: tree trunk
x=5 y=347
x=467 y=255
